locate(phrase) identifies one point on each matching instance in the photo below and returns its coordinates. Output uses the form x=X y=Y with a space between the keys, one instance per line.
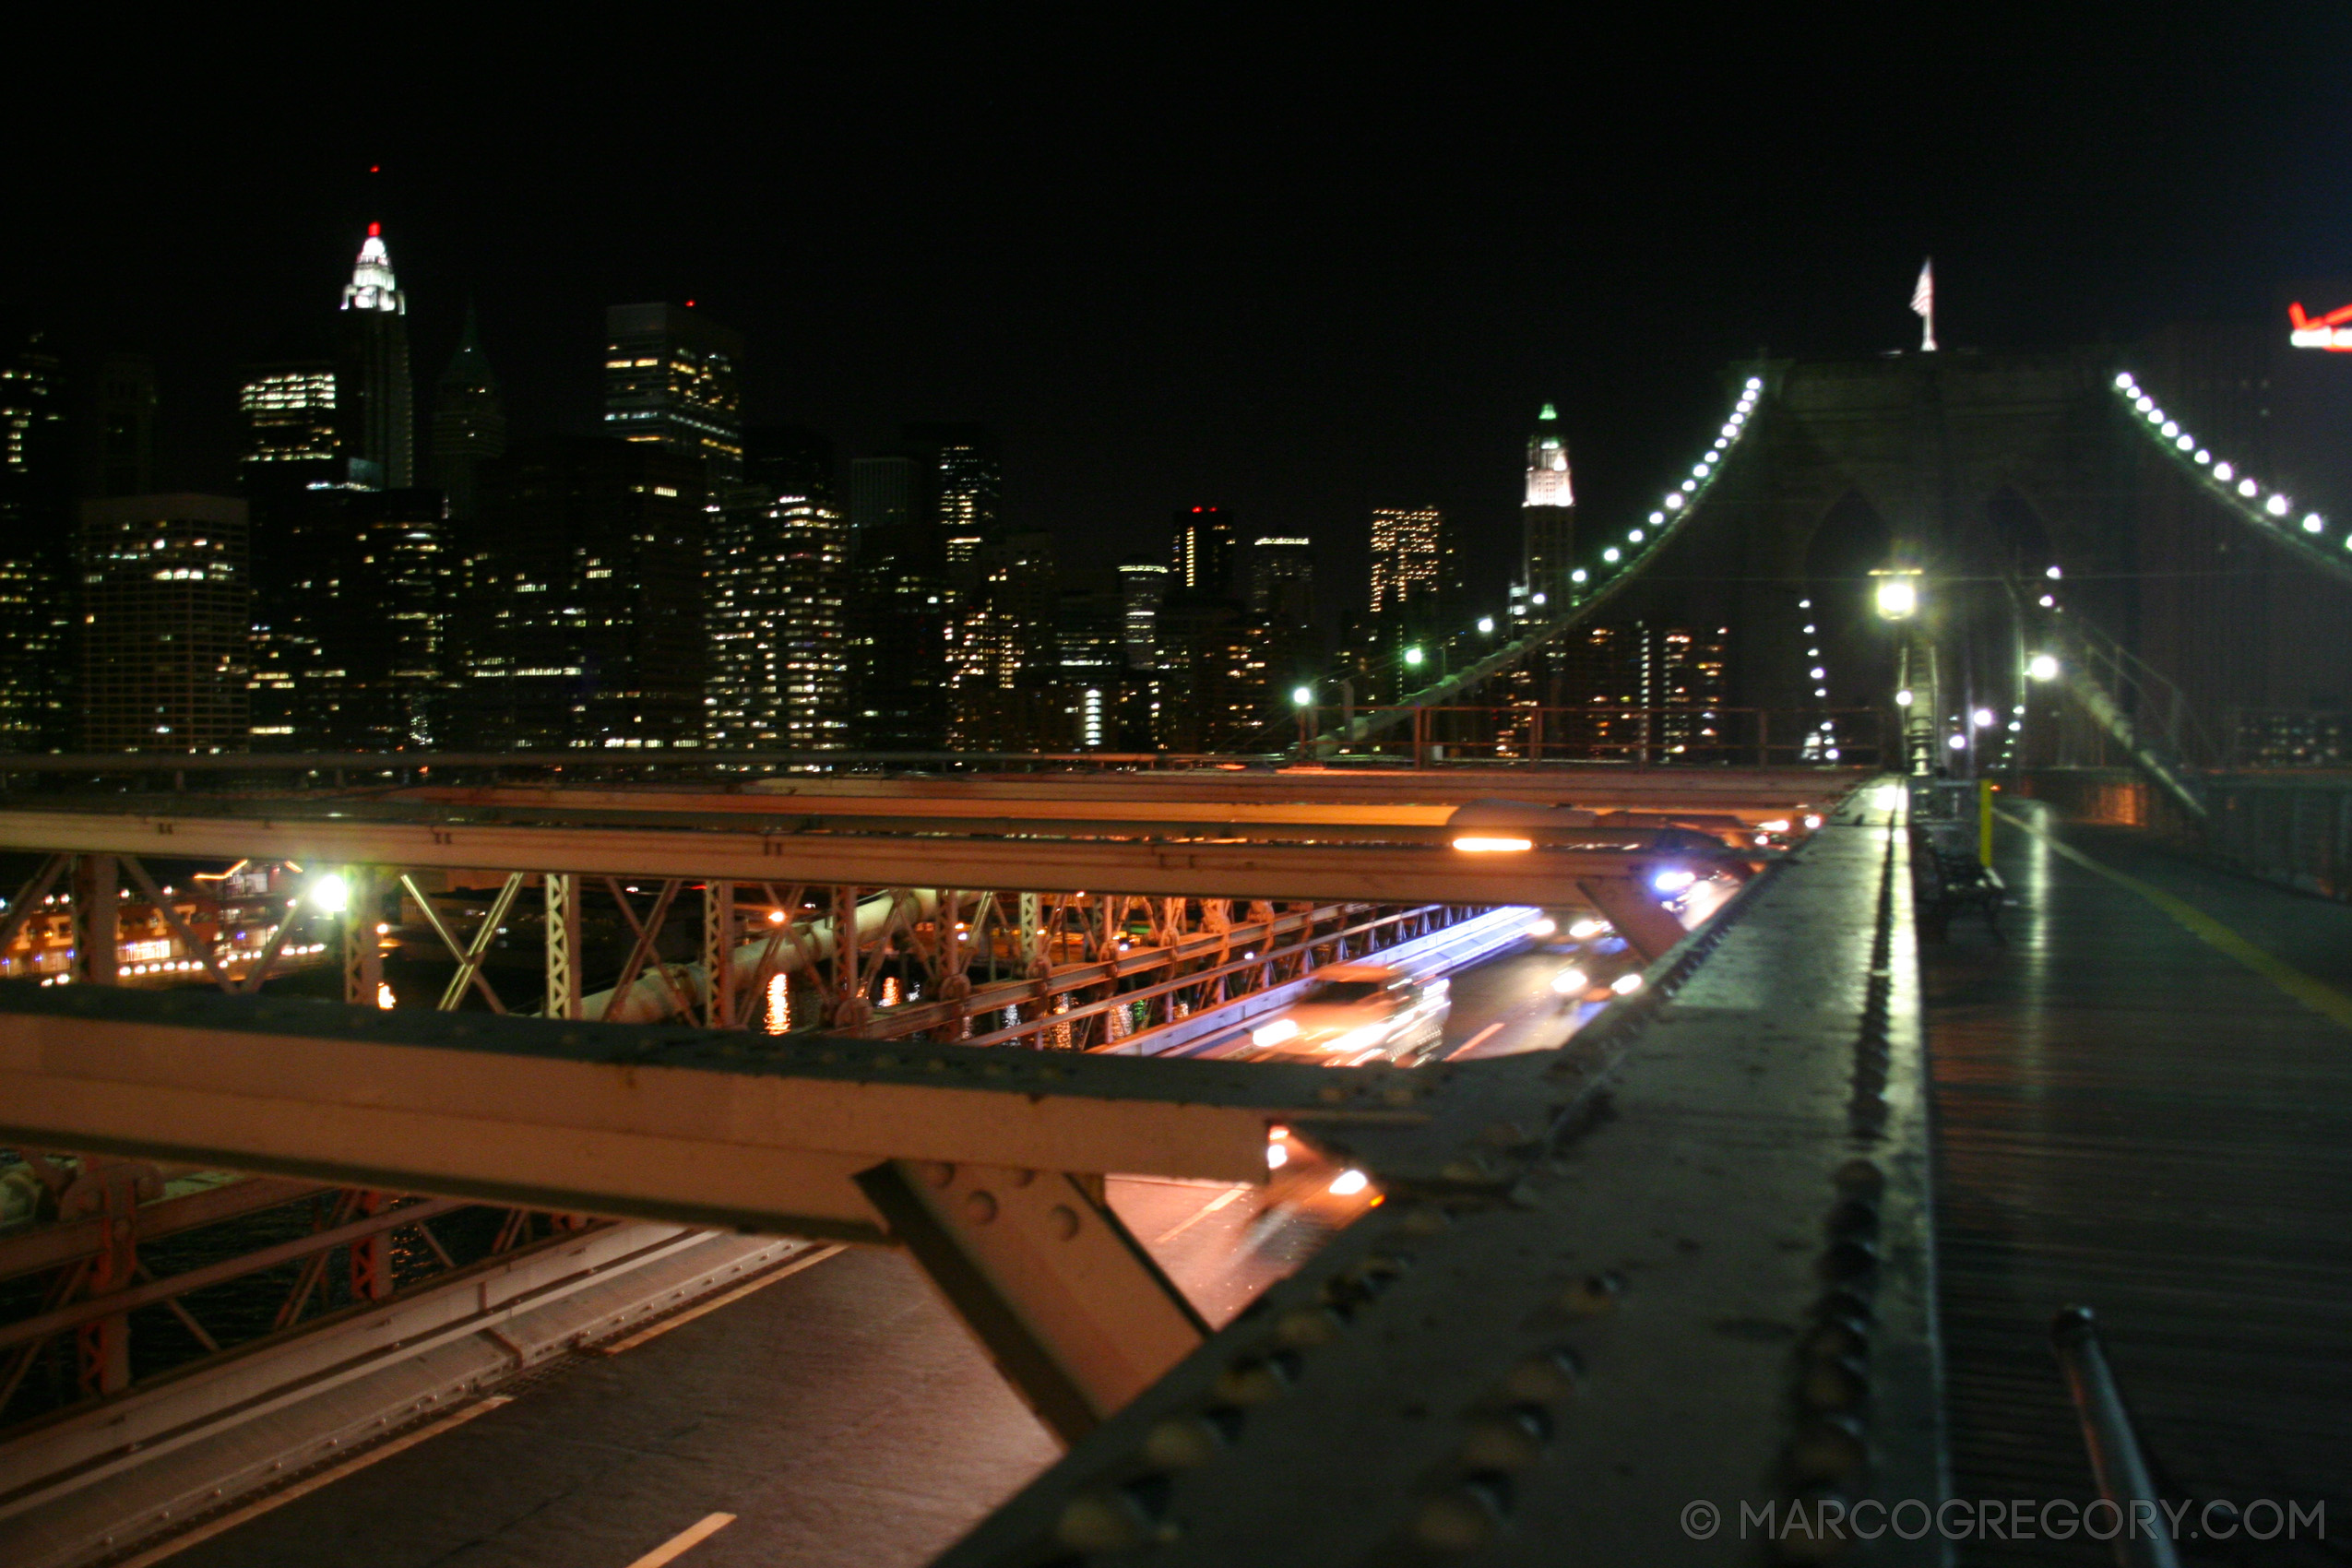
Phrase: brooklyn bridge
x=1469 y=1127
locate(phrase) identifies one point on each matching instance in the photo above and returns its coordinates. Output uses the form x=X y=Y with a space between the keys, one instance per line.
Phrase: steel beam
x=1639 y=918
x=97 y=952
x=1076 y=1313
x=377 y=1220
x=562 y=920
x=65 y=1241
x=701 y=1127
x=1431 y=873
x=362 y=953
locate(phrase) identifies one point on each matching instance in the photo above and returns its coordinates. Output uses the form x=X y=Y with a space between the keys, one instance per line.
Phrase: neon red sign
x=2329 y=331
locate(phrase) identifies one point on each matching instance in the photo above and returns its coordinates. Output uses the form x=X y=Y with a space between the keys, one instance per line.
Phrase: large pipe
x=652 y=999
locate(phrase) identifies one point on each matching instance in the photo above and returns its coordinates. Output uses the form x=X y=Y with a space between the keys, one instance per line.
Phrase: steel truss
x=1087 y=972
x=106 y=1208
x=1686 y=1260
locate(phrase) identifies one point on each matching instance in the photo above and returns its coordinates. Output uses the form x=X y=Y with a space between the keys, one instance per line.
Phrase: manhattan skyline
x=1300 y=287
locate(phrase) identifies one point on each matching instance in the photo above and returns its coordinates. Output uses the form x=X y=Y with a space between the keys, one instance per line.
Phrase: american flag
x=1923 y=305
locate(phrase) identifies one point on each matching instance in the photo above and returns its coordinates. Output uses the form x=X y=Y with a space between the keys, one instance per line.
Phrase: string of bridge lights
x=1677 y=502
x=1673 y=509
x=1827 y=730
x=2264 y=507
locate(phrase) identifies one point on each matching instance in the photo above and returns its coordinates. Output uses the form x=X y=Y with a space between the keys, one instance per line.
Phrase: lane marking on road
x=685 y=1540
x=805 y=1260
x=259 y=1506
x=2314 y=994
x=1202 y=1213
x=1476 y=1040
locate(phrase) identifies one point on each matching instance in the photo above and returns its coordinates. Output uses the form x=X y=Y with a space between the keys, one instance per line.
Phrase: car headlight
x=1571 y=982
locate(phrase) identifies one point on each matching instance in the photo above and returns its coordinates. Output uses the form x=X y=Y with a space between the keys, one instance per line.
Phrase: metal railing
x=2142 y=1538
x=1676 y=736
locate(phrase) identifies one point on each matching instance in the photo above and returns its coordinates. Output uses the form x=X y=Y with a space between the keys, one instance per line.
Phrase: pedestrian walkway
x=2144 y=1100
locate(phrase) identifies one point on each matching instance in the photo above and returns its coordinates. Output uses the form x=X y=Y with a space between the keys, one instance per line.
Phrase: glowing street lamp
x=329 y=894
x=1413 y=657
x=2042 y=667
x=1897 y=594
x=1486 y=625
x=1303 y=697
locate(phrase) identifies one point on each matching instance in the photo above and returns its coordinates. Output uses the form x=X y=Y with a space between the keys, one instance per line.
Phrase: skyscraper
x=351 y=600
x=1282 y=606
x=293 y=472
x=1142 y=587
x=670 y=378
x=375 y=406
x=1282 y=580
x=1092 y=638
x=288 y=415
x=383 y=637
x=36 y=551
x=319 y=430
x=1637 y=690
x=965 y=467
x=164 y=601
x=468 y=422
x=960 y=473
x=117 y=400
x=1008 y=663
x=582 y=612
x=1212 y=675
x=1548 y=519
x=1407 y=559
x=898 y=609
x=1212 y=654
x=779 y=580
x=1204 y=552
x=884 y=494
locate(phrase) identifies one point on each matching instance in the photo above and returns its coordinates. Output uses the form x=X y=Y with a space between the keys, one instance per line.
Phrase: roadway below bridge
x=839 y=1413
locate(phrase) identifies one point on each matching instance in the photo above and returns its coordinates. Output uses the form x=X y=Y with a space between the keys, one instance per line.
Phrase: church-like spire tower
x=372 y=286
x=377 y=410
x=1547 y=482
x=1548 y=517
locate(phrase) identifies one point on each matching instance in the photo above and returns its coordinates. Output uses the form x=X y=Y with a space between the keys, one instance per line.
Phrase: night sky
x=1295 y=269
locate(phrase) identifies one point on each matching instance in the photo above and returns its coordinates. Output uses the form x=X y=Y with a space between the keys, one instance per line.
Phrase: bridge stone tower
x=1981 y=470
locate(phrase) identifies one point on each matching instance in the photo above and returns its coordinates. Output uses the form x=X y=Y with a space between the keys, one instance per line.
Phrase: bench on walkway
x=1951 y=880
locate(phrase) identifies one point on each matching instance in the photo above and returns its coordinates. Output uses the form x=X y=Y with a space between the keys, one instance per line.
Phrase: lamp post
x=1896 y=595
x=1302 y=699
